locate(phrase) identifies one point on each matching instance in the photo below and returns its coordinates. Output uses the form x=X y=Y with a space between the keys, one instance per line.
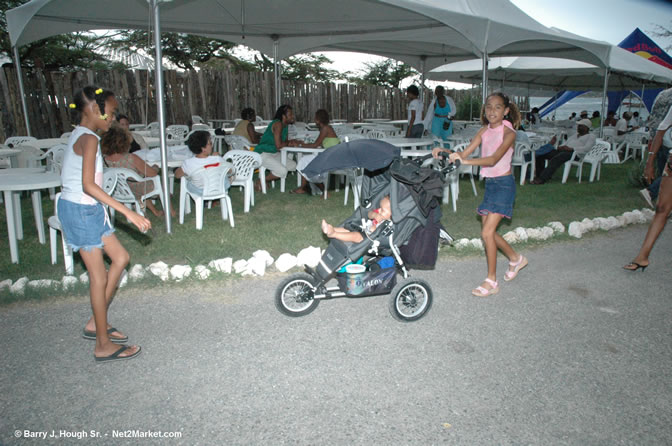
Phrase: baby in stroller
x=376 y=216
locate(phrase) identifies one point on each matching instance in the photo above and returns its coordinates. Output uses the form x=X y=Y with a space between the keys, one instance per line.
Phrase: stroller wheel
x=294 y=296
x=411 y=299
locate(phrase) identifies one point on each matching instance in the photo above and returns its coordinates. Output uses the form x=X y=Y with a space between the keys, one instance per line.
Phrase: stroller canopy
x=369 y=154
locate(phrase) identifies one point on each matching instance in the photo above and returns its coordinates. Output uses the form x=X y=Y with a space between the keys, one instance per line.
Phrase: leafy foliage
x=66 y=51
x=386 y=73
x=306 y=67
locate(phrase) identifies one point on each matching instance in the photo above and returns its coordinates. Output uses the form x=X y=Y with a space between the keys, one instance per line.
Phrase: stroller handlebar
x=445 y=166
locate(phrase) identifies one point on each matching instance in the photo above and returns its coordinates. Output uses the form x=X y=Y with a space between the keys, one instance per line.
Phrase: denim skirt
x=84 y=226
x=500 y=193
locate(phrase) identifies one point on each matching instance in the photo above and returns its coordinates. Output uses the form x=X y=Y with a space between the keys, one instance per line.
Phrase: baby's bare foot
x=327 y=228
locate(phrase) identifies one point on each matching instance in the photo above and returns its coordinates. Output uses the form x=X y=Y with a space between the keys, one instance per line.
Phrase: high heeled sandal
x=517 y=266
x=636 y=266
x=484 y=292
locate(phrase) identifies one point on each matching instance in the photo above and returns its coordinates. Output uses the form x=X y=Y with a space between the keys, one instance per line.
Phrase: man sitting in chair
x=581 y=143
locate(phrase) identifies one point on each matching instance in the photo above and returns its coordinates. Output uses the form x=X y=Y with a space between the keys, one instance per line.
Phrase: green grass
x=288 y=223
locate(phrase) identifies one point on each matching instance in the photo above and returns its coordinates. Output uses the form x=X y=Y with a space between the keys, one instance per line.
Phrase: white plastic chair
x=200 y=127
x=177 y=133
x=109 y=183
x=214 y=188
x=244 y=161
x=153 y=128
x=123 y=193
x=14 y=141
x=635 y=143
x=195 y=119
x=595 y=157
x=55 y=227
x=518 y=159
x=454 y=180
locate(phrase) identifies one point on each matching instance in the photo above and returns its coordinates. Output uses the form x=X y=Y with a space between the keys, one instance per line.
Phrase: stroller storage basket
x=367 y=283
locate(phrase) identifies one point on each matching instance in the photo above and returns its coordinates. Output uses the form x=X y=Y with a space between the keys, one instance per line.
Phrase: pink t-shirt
x=491 y=139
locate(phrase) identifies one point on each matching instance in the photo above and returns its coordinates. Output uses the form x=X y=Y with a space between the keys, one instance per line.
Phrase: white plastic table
x=301 y=151
x=10 y=184
x=45 y=144
x=376 y=120
x=413 y=143
x=11 y=155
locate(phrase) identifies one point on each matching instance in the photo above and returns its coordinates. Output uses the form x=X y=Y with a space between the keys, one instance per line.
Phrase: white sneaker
x=646 y=195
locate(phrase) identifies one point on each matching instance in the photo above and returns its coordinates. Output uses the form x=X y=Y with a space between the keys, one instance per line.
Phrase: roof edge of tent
x=17 y=19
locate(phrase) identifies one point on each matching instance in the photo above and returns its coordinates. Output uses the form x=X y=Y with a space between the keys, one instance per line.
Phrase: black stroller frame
x=299 y=294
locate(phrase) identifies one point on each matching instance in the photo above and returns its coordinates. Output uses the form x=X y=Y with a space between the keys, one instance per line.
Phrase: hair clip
x=103 y=117
x=99 y=91
x=72 y=106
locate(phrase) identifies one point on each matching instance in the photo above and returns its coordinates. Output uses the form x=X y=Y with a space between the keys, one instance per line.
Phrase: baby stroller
x=415 y=197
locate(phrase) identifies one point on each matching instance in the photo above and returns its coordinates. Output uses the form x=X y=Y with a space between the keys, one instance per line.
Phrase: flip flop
x=115 y=356
x=91 y=336
x=484 y=292
x=517 y=266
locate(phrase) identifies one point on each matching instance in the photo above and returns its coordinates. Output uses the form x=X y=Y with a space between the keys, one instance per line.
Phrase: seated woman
x=115 y=145
x=326 y=139
x=376 y=217
x=245 y=126
x=200 y=144
x=138 y=142
x=272 y=141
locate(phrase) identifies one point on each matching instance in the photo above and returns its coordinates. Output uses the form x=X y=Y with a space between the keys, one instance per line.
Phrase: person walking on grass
x=86 y=225
x=500 y=117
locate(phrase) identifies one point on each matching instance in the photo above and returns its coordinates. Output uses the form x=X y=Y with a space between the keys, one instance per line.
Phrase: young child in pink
x=497 y=137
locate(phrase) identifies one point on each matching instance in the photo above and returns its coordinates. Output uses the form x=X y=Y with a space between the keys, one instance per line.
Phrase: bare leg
x=119 y=257
x=663 y=209
x=153 y=208
x=98 y=282
x=303 y=189
x=489 y=225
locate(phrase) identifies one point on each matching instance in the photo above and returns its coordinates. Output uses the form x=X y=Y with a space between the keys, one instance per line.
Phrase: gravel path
x=574 y=351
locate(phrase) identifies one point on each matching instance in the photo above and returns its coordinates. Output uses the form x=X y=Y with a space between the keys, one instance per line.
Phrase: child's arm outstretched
x=341 y=234
x=475 y=142
x=489 y=161
x=88 y=147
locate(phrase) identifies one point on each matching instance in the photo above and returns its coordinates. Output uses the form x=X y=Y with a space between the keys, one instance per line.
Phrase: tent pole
x=471 y=102
x=485 y=76
x=422 y=78
x=603 y=111
x=158 y=77
x=276 y=72
x=19 y=75
x=641 y=101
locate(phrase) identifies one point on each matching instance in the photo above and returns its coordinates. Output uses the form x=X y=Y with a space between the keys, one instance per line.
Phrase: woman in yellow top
x=326 y=139
x=245 y=126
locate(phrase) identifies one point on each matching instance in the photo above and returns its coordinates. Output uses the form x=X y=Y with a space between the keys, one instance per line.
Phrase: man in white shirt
x=581 y=143
x=622 y=127
x=415 y=107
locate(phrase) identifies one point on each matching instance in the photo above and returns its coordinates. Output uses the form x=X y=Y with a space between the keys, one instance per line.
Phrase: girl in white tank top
x=86 y=227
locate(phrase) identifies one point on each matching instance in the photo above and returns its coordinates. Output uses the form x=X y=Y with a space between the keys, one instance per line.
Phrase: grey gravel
x=574 y=351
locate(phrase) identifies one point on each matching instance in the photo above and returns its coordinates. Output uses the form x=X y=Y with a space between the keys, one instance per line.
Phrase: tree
x=664 y=32
x=387 y=73
x=306 y=67
x=67 y=51
x=184 y=50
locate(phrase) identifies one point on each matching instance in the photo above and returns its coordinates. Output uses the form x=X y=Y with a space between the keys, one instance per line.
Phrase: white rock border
x=261 y=260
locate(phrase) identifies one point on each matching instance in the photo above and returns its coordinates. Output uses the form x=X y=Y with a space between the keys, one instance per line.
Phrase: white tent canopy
x=443 y=31
x=626 y=71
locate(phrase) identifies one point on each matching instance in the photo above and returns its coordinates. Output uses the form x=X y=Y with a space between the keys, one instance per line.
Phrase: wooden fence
x=206 y=93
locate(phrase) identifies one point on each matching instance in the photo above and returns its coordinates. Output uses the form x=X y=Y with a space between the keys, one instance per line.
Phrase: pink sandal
x=517 y=266
x=484 y=292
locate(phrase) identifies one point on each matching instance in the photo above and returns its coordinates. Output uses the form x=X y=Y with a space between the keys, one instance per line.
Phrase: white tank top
x=71 y=174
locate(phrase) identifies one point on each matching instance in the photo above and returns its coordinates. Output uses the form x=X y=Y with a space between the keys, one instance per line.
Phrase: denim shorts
x=500 y=193
x=84 y=226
